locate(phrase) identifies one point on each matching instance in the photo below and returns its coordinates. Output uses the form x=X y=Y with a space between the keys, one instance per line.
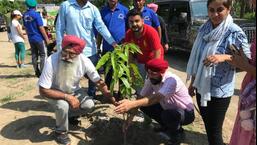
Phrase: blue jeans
x=91 y=85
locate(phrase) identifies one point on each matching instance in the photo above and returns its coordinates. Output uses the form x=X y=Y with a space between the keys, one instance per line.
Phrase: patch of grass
x=8 y=98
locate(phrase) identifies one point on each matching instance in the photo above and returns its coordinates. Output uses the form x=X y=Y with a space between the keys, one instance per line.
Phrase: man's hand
x=73 y=101
x=124 y=106
x=166 y=47
x=113 y=101
x=114 y=44
x=191 y=90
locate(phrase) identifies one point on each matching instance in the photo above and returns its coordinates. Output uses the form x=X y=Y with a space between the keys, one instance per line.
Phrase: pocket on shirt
x=88 y=23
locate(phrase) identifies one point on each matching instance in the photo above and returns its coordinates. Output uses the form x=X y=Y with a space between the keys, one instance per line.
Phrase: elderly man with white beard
x=59 y=83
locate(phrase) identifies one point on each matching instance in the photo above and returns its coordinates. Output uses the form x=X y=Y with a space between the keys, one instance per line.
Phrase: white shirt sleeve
x=46 y=78
x=91 y=71
x=15 y=23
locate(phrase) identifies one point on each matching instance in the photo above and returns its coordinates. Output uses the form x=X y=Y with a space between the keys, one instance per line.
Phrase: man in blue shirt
x=150 y=17
x=36 y=34
x=114 y=16
x=79 y=17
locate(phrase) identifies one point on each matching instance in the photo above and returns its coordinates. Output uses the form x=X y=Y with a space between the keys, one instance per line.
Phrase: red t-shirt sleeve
x=156 y=42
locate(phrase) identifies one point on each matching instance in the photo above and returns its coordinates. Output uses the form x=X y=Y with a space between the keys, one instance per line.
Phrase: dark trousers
x=91 y=85
x=170 y=119
x=213 y=116
x=38 y=49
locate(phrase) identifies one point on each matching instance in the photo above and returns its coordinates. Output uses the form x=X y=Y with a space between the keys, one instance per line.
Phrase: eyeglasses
x=70 y=54
x=153 y=73
x=218 y=10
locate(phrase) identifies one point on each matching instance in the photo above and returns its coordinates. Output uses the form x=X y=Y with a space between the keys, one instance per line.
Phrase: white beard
x=66 y=74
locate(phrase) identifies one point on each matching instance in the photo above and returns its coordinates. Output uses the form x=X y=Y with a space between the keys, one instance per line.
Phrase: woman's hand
x=216 y=59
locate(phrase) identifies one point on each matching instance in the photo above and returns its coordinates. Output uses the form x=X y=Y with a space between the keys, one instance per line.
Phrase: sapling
x=125 y=73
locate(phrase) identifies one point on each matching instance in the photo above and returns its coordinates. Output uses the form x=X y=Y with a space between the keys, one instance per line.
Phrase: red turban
x=157 y=65
x=76 y=43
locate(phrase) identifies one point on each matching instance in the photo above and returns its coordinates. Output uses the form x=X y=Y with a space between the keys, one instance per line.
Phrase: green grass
x=8 y=98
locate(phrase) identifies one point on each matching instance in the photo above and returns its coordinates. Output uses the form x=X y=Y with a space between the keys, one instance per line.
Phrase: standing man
x=149 y=16
x=146 y=38
x=114 y=16
x=36 y=34
x=59 y=83
x=79 y=17
x=164 y=38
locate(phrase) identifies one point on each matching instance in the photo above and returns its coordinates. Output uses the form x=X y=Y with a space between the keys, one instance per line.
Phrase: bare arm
x=42 y=30
x=106 y=92
x=127 y=105
x=19 y=30
x=58 y=95
x=159 y=29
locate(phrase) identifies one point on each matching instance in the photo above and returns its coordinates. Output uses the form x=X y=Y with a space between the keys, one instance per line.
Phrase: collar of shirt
x=145 y=9
x=74 y=2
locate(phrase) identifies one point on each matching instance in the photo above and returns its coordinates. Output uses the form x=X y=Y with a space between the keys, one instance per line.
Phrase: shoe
x=74 y=121
x=38 y=74
x=176 y=137
x=62 y=138
x=23 y=66
x=18 y=66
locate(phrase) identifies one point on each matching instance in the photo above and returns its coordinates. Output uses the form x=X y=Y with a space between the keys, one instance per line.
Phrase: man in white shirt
x=59 y=83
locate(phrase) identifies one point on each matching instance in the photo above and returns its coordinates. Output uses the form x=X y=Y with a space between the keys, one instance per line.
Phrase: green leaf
x=112 y=86
x=121 y=71
x=122 y=56
x=114 y=66
x=134 y=48
x=125 y=82
x=107 y=68
x=126 y=69
x=103 y=60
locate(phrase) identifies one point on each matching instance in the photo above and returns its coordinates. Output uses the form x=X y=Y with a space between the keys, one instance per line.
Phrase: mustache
x=67 y=60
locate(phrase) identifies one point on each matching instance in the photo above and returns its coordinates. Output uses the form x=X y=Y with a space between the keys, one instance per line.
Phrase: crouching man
x=165 y=98
x=59 y=83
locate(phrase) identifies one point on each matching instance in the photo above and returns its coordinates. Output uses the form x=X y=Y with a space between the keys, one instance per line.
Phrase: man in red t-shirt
x=146 y=38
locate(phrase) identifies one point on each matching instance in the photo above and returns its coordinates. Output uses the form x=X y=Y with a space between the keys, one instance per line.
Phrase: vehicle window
x=177 y=9
x=164 y=11
x=199 y=9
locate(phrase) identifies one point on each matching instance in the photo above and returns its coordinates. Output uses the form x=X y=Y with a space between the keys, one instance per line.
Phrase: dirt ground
x=28 y=119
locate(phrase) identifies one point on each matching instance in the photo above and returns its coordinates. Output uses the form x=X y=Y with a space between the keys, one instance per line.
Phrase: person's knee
x=171 y=118
x=62 y=106
x=88 y=104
